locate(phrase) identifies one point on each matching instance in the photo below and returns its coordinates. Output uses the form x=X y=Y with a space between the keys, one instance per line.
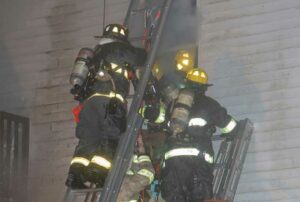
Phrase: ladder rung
x=86 y=190
x=138 y=10
x=139 y=38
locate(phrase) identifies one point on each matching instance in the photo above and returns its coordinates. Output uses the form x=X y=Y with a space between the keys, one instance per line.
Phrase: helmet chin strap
x=199 y=89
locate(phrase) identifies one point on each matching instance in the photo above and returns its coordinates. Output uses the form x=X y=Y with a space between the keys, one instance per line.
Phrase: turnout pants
x=98 y=130
x=186 y=179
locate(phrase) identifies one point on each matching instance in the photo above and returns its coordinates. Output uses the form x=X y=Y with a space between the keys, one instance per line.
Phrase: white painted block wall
x=39 y=42
x=249 y=48
x=251 y=51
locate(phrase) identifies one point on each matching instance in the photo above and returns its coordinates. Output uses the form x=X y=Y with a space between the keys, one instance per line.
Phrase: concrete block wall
x=251 y=50
x=39 y=42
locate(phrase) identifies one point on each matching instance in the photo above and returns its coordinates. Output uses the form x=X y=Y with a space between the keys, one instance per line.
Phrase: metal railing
x=14 y=147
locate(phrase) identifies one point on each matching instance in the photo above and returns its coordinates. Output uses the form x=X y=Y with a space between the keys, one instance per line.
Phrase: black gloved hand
x=116 y=112
x=151 y=112
x=116 y=107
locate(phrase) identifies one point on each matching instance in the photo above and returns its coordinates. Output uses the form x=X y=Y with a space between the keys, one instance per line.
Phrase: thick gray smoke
x=181 y=26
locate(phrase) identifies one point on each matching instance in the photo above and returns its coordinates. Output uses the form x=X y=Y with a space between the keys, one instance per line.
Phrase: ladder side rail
x=238 y=163
x=227 y=191
x=227 y=166
x=219 y=166
x=129 y=10
x=222 y=175
x=69 y=196
x=228 y=174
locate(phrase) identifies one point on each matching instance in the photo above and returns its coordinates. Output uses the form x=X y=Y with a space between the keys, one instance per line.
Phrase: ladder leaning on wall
x=146 y=21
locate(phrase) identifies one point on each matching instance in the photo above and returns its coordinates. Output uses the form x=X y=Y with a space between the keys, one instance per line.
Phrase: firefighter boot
x=96 y=175
x=75 y=179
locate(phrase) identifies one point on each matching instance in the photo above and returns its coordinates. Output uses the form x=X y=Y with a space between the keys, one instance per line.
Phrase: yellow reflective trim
x=133 y=201
x=115 y=29
x=113 y=65
x=118 y=96
x=230 y=126
x=101 y=162
x=130 y=172
x=144 y=158
x=142 y=111
x=119 y=71
x=147 y=174
x=110 y=95
x=80 y=160
x=135 y=159
x=181 y=152
x=208 y=158
x=162 y=115
x=122 y=32
x=126 y=74
x=197 y=122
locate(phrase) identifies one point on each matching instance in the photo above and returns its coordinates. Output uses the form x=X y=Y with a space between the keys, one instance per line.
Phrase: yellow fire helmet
x=197 y=75
x=157 y=72
x=184 y=61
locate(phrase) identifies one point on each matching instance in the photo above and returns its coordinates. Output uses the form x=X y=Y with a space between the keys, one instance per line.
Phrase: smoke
x=180 y=33
x=181 y=28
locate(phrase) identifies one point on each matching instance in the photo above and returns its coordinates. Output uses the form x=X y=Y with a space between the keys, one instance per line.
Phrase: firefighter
x=100 y=80
x=159 y=96
x=187 y=170
x=164 y=89
x=139 y=175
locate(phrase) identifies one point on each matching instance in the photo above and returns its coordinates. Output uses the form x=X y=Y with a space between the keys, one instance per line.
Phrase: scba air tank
x=81 y=67
x=169 y=93
x=181 y=111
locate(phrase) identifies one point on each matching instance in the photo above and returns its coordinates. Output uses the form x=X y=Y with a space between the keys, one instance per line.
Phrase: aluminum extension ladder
x=145 y=21
x=229 y=162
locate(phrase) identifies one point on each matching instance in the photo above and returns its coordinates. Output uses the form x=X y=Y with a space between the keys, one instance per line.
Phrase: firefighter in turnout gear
x=164 y=89
x=138 y=176
x=187 y=170
x=101 y=79
x=159 y=96
x=192 y=118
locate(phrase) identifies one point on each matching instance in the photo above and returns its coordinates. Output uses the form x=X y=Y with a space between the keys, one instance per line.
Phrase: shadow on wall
x=8 y=81
x=13 y=97
x=55 y=103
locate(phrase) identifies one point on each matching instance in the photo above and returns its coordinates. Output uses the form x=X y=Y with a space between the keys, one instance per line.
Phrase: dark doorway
x=14 y=146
